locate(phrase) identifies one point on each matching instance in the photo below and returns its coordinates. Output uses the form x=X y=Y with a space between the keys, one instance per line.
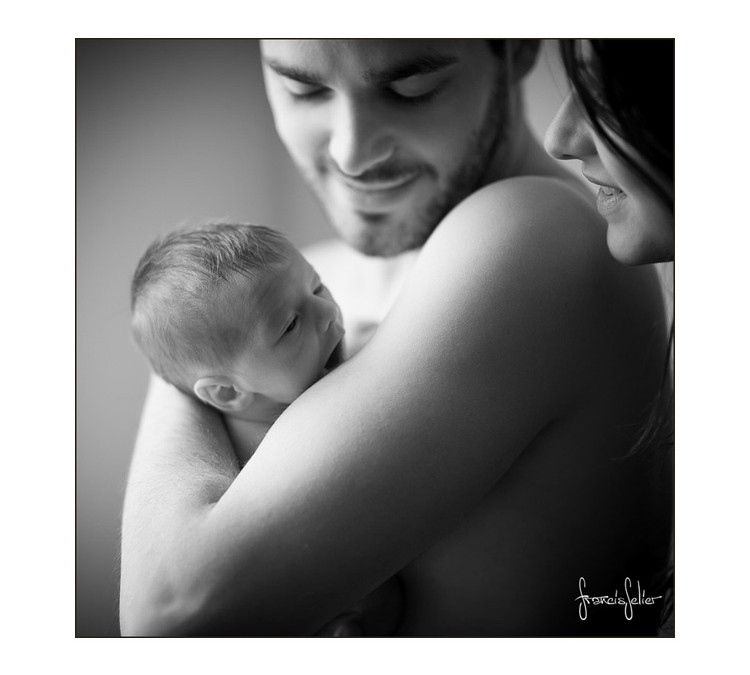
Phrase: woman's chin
x=629 y=246
x=640 y=236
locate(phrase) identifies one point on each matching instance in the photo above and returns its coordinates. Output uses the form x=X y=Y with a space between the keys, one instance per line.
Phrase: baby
x=234 y=315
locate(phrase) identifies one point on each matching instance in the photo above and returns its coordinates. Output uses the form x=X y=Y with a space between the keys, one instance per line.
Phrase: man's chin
x=378 y=235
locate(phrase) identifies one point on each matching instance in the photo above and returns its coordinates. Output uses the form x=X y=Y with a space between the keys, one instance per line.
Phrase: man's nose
x=360 y=136
x=569 y=135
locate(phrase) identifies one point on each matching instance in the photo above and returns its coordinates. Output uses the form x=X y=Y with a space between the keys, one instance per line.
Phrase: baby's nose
x=327 y=314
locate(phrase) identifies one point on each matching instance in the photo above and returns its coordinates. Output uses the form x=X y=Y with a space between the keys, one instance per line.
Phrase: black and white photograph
x=375 y=338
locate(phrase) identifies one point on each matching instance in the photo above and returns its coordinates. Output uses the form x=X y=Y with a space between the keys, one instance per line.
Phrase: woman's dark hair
x=626 y=88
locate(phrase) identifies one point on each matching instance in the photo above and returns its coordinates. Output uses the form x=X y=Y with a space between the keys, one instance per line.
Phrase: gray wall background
x=167 y=132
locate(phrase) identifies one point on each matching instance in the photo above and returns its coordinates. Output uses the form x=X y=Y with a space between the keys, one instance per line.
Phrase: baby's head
x=234 y=314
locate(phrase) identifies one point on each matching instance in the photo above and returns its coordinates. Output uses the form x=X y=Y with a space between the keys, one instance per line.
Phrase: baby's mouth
x=336 y=358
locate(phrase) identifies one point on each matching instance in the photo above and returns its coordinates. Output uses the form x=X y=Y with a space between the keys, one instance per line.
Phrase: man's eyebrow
x=292 y=72
x=421 y=65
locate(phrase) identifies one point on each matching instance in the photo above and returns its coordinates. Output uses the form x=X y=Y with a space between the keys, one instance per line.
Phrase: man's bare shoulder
x=530 y=209
x=521 y=227
x=523 y=265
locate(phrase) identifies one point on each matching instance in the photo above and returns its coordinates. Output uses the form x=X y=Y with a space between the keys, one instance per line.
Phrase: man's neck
x=512 y=155
x=523 y=155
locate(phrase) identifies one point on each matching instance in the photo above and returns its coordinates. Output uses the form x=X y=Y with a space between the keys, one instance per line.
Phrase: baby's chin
x=336 y=359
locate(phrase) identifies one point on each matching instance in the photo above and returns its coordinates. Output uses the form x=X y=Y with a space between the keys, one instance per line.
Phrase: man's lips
x=374 y=195
x=382 y=184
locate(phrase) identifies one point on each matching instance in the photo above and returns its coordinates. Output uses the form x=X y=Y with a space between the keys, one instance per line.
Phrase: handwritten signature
x=628 y=601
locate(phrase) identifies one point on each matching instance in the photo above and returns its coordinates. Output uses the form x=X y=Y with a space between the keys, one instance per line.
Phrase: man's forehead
x=373 y=60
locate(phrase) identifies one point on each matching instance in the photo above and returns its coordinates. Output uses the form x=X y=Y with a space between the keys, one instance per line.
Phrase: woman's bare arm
x=485 y=346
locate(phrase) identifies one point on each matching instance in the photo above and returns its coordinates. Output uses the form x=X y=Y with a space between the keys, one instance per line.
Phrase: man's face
x=390 y=134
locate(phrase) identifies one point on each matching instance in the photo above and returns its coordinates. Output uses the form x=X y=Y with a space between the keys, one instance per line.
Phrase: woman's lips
x=609 y=199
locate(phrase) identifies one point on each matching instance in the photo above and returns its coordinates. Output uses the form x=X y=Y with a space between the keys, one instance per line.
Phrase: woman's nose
x=360 y=138
x=569 y=134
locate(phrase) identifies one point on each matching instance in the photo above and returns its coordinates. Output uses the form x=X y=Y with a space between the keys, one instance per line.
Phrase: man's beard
x=386 y=235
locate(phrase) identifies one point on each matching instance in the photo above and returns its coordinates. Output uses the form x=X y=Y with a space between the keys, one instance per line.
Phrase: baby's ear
x=221 y=393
